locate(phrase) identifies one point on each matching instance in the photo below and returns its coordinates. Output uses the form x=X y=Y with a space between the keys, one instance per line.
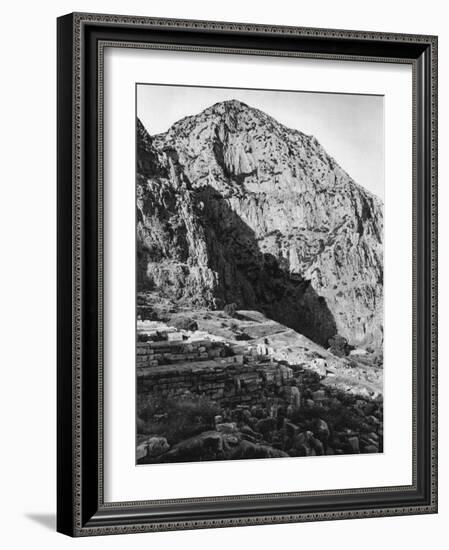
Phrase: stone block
x=174 y=337
x=318 y=395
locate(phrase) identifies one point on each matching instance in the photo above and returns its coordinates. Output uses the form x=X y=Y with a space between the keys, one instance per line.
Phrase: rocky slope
x=244 y=386
x=235 y=207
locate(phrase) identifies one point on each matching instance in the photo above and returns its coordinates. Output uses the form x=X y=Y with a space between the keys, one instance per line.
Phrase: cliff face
x=235 y=207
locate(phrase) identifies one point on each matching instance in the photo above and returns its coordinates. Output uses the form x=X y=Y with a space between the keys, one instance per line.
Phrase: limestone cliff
x=232 y=206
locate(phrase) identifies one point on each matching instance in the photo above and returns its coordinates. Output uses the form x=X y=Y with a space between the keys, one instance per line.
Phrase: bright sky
x=350 y=127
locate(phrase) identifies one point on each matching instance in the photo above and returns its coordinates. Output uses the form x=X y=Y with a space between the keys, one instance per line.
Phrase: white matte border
x=123 y=480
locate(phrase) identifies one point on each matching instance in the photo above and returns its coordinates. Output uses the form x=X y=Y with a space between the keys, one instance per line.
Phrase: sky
x=349 y=126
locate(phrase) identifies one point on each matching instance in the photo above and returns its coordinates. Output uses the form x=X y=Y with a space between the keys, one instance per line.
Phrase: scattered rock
x=214 y=445
x=153 y=447
x=205 y=446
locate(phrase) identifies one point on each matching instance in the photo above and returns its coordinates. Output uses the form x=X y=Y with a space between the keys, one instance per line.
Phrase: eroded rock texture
x=232 y=206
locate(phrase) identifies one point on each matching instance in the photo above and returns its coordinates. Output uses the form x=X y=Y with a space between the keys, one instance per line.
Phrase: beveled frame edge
x=81 y=18
x=70 y=209
x=100 y=151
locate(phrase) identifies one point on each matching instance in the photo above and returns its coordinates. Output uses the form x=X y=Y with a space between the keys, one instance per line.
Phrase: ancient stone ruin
x=241 y=402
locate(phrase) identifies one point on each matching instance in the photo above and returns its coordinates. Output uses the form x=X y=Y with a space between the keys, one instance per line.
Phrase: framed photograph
x=247 y=280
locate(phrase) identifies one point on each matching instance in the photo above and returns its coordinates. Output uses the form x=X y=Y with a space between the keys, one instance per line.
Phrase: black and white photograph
x=259 y=259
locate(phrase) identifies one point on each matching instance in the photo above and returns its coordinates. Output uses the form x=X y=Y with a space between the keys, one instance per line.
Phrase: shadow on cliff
x=256 y=280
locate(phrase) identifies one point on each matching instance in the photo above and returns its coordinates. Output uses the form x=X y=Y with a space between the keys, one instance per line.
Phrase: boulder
x=213 y=445
x=226 y=427
x=205 y=446
x=249 y=434
x=141 y=451
x=318 y=395
x=305 y=444
x=156 y=446
x=152 y=447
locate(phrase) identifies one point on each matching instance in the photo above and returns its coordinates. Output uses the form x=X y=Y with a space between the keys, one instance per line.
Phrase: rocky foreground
x=221 y=387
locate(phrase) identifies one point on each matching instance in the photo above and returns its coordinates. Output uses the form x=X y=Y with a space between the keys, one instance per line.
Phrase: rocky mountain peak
x=229 y=105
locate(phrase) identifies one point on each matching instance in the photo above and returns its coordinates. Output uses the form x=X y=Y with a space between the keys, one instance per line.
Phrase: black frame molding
x=81 y=510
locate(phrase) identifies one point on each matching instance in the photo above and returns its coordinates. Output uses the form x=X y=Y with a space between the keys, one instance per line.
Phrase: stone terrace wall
x=226 y=381
x=152 y=354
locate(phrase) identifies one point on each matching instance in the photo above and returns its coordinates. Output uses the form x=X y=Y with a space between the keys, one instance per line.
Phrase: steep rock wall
x=235 y=207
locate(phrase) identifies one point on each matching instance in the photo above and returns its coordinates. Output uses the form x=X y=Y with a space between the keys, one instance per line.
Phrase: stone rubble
x=267 y=408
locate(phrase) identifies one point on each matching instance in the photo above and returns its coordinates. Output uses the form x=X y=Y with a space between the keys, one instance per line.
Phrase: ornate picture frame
x=81 y=507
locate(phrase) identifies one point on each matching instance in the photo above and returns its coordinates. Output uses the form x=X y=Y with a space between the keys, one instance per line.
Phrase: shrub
x=338 y=415
x=178 y=418
x=242 y=336
x=338 y=345
x=230 y=309
x=184 y=323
